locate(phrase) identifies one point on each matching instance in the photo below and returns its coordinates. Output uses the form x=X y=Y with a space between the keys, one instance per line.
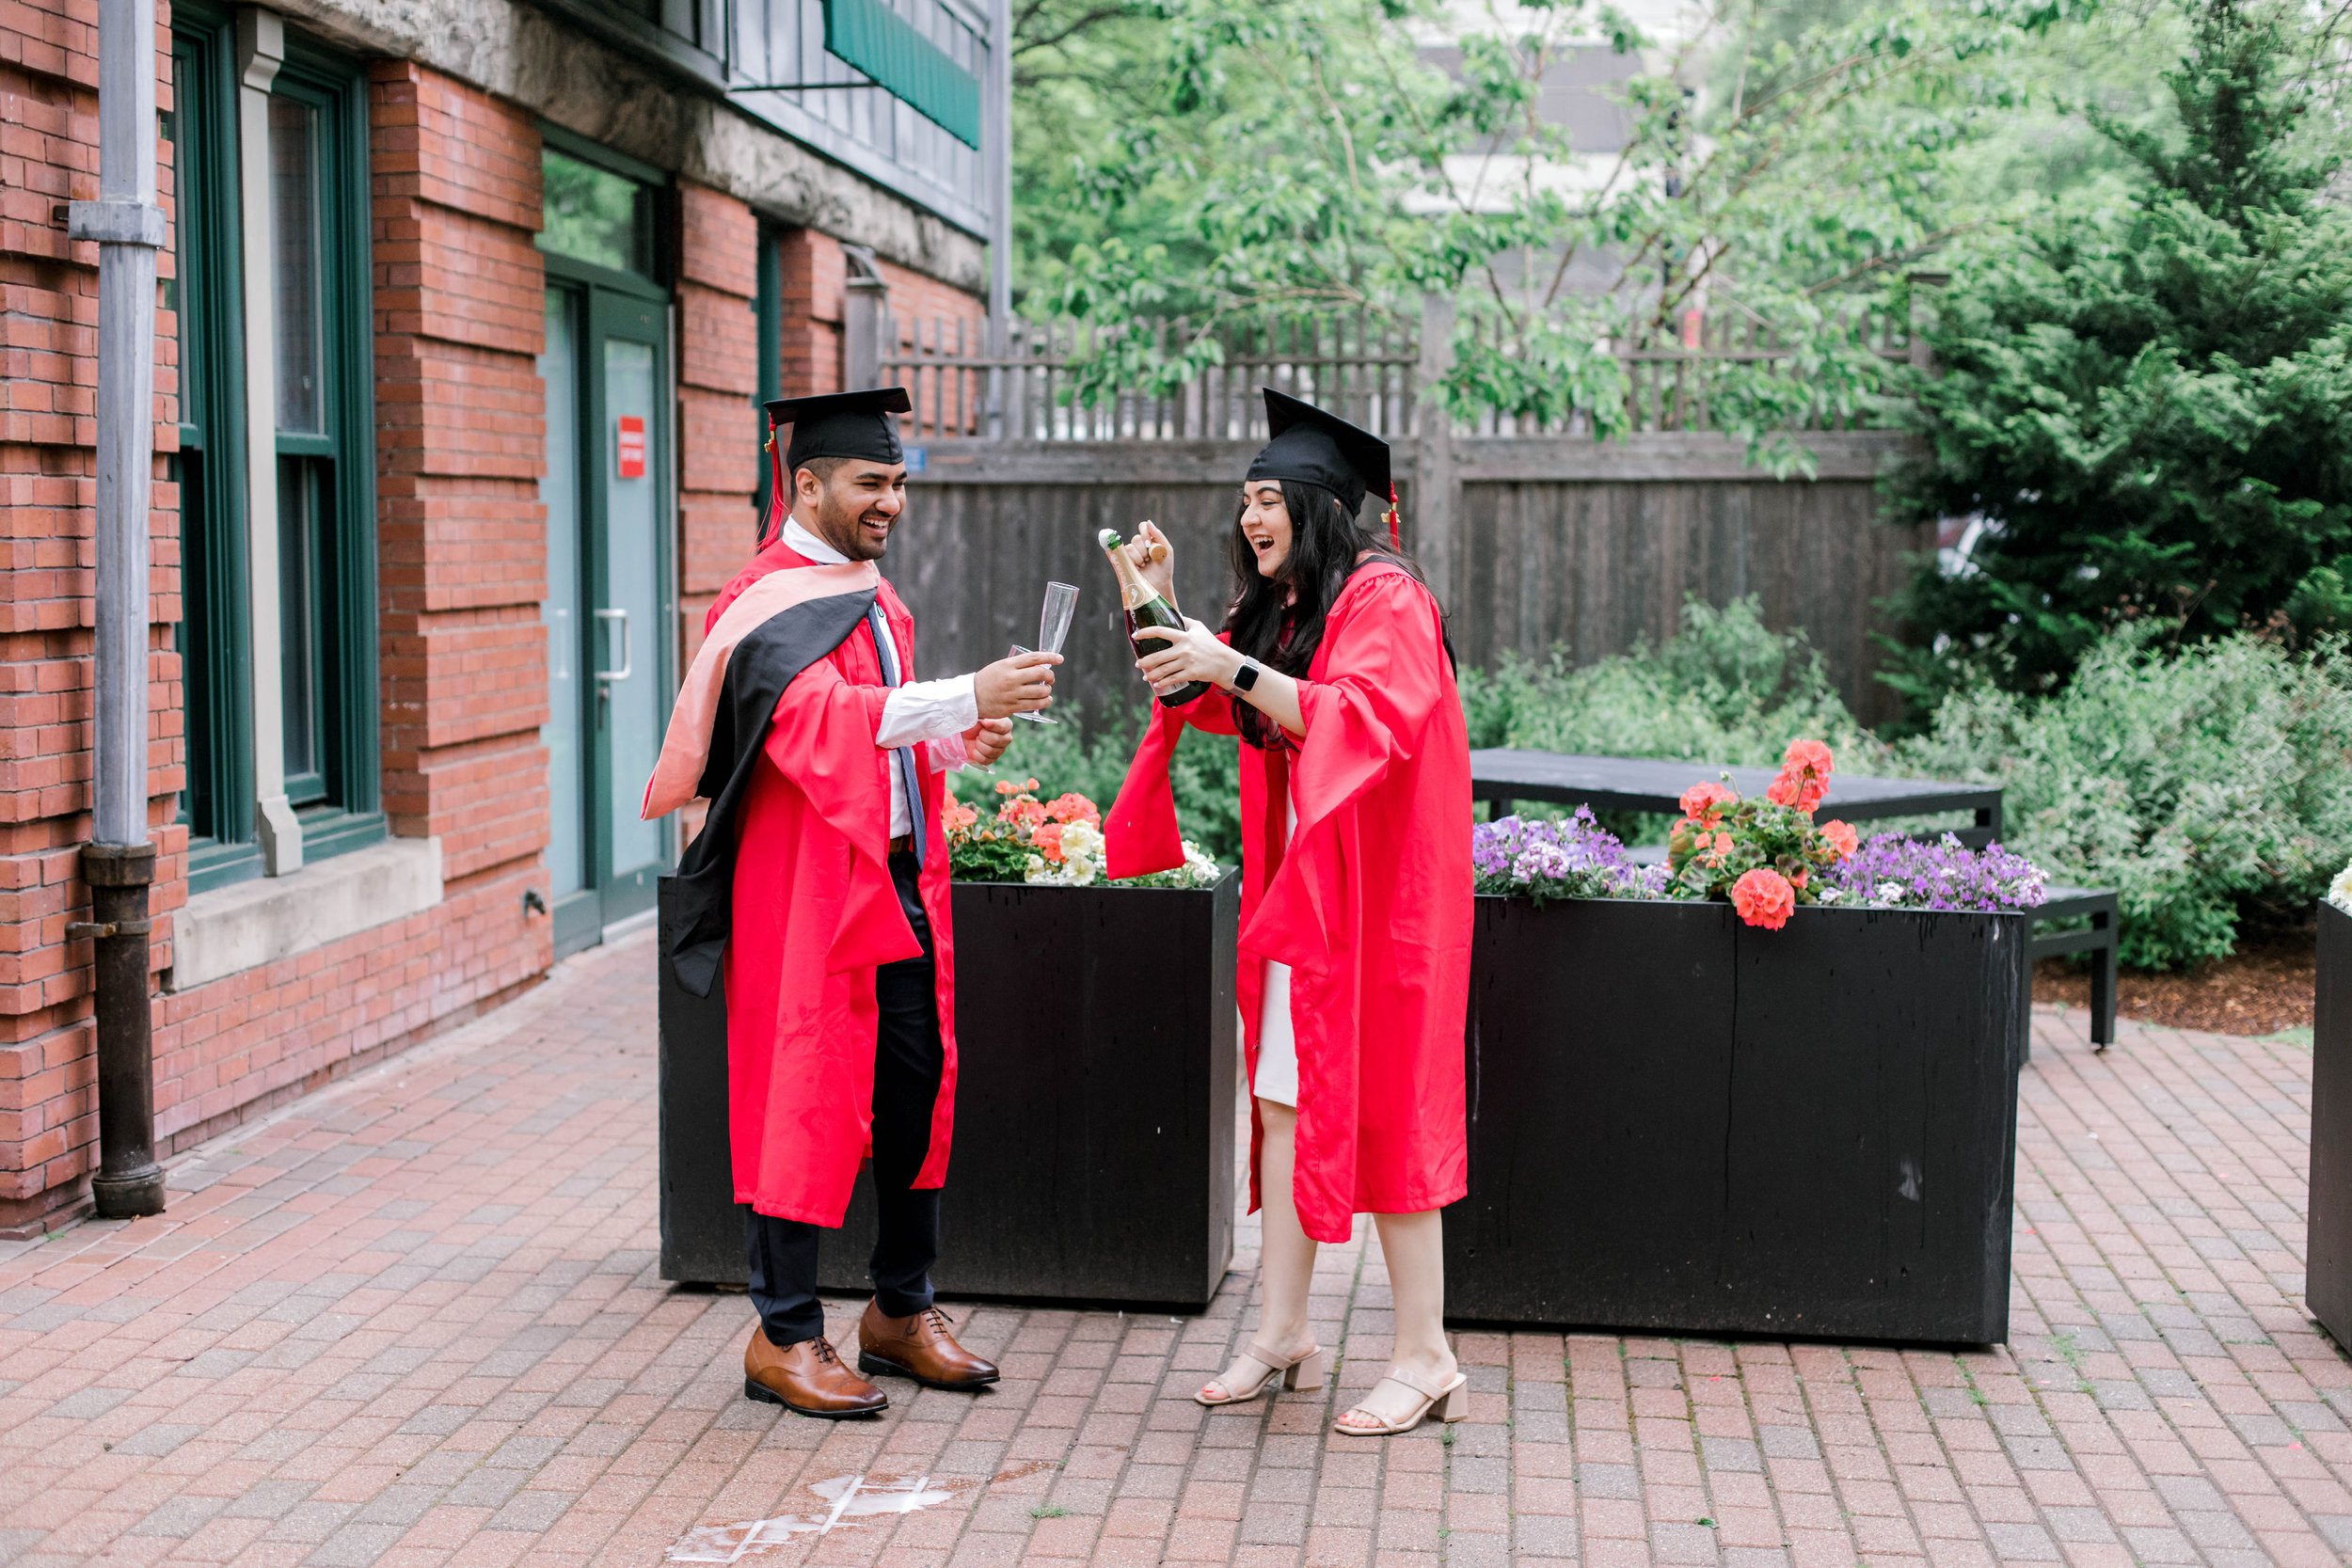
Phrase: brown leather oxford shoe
x=807 y=1379
x=919 y=1347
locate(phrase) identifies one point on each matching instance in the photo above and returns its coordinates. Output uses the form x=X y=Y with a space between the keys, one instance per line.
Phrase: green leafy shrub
x=1088 y=750
x=2202 y=783
x=1725 y=689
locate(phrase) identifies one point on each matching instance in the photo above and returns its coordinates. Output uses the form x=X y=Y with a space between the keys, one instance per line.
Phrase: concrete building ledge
x=236 y=929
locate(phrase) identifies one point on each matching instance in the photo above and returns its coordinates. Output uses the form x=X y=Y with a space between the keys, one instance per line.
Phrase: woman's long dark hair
x=1278 y=620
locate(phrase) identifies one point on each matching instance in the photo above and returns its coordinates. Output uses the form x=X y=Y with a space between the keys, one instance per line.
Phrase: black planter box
x=1094 y=1108
x=2327 y=1257
x=1681 y=1124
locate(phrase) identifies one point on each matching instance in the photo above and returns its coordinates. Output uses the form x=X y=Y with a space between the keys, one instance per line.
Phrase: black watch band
x=1246 y=677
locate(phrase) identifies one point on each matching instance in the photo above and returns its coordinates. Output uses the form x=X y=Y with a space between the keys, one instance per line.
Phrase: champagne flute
x=1052 y=627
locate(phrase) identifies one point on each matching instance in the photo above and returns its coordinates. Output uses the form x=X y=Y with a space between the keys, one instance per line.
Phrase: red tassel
x=777 y=505
x=1396 y=540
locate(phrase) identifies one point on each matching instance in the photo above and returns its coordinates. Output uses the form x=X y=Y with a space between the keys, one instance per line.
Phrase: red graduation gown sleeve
x=815 y=911
x=1369 y=903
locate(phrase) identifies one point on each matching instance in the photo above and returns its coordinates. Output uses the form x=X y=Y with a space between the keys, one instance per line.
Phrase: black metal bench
x=2098 y=939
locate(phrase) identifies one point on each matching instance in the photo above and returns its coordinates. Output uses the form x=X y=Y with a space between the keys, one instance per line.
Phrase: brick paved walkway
x=414 y=1320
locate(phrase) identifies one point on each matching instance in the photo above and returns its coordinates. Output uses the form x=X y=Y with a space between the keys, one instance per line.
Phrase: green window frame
x=325 y=447
x=325 y=463
x=205 y=296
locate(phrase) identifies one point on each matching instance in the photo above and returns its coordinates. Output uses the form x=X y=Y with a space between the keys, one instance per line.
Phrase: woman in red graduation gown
x=1334 y=670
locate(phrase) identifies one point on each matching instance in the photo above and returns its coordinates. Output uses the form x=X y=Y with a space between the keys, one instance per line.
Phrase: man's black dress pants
x=909 y=1058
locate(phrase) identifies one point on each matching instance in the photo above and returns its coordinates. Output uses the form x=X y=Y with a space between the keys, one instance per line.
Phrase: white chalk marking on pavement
x=852 y=1499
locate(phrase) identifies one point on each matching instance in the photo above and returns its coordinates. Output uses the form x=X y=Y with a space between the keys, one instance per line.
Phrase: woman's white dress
x=1278 y=1045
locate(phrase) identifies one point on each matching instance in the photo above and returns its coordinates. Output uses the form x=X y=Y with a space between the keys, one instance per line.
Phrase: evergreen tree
x=2150 y=408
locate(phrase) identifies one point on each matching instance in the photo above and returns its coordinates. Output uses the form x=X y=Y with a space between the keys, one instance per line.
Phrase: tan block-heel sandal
x=1448 y=1402
x=1304 y=1371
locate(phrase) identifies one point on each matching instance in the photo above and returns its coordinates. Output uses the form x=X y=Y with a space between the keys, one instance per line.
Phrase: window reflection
x=593 y=214
x=293 y=142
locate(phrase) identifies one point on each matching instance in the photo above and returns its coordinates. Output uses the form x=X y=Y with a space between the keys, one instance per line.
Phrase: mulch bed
x=2264 y=987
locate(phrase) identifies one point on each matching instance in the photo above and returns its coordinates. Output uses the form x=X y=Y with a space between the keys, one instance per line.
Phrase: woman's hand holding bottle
x=1154 y=559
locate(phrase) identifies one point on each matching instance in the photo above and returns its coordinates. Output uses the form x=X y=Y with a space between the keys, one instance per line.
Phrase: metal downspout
x=118 y=862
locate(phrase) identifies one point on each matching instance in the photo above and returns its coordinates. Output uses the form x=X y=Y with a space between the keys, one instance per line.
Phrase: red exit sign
x=631 y=447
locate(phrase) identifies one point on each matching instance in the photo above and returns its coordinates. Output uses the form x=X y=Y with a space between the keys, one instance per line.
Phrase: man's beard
x=843 y=528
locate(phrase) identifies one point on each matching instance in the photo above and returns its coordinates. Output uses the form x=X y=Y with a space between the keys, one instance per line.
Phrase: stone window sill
x=231 y=929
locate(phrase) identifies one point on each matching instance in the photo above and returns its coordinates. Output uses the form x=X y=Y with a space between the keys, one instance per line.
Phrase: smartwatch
x=1246 y=677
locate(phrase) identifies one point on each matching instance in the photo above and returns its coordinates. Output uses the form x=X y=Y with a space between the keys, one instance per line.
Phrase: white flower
x=1890 y=893
x=2340 y=890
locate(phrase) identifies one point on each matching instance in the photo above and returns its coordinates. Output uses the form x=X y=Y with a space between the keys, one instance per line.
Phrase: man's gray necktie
x=902 y=756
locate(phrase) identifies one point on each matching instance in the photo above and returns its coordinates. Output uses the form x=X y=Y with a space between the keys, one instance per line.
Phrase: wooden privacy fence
x=1530 y=542
x=1532 y=538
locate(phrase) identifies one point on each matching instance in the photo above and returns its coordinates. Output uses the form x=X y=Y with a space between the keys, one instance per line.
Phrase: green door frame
x=614 y=303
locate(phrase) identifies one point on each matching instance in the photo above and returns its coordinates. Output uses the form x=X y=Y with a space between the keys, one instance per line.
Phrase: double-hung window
x=312 y=391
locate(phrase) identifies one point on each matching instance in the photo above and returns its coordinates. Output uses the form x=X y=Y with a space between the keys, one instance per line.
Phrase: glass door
x=578 y=911
x=611 y=610
x=629 y=581
x=608 y=610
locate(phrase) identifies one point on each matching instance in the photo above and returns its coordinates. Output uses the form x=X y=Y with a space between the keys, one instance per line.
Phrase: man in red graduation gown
x=817 y=892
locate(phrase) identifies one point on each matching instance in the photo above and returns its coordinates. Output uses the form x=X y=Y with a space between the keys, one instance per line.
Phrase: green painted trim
x=213 y=633
x=566 y=269
x=768 y=343
x=574 y=145
x=868 y=36
x=329 y=831
x=215 y=865
x=344 y=459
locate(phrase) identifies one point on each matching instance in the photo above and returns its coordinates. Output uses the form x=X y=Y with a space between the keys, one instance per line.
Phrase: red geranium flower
x=1048 y=841
x=1799 y=790
x=958 y=816
x=1073 y=807
x=1841 y=838
x=1809 y=756
x=1704 y=802
x=1764 y=897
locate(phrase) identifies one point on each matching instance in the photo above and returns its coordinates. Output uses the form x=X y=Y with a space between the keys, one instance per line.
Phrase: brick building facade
x=384 y=863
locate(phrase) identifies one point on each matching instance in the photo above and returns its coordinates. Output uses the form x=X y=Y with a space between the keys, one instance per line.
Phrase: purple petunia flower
x=1575 y=859
x=1942 y=874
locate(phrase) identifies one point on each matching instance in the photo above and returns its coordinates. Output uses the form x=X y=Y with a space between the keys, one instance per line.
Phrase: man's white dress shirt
x=915 y=711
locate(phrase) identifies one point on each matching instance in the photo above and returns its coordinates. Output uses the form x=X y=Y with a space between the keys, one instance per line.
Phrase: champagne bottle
x=1147 y=607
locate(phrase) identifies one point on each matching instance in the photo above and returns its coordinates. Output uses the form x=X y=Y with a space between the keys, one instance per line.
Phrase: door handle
x=622 y=673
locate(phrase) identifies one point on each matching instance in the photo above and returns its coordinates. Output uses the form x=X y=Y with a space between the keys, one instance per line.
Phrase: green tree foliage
x=2150 y=404
x=1233 y=164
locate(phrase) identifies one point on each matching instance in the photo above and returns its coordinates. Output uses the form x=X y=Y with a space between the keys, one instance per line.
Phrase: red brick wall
x=461 y=439
x=461 y=564
x=461 y=548
x=719 y=451
x=815 y=273
x=460 y=553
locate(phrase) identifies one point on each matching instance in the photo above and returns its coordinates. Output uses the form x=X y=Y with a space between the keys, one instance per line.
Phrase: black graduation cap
x=1316 y=448
x=842 y=424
